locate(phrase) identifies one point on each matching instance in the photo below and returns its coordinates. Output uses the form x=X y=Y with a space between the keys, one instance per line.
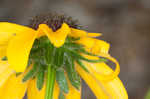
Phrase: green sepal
x=72 y=39
x=76 y=55
x=62 y=81
x=59 y=57
x=72 y=74
x=61 y=95
x=82 y=65
x=49 y=54
x=86 y=52
x=30 y=74
x=72 y=46
x=40 y=79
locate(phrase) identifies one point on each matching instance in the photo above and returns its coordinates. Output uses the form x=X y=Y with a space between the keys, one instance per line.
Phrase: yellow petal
x=87 y=42
x=115 y=88
x=94 y=45
x=95 y=86
x=34 y=93
x=13 y=88
x=112 y=89
x=57 y=38
x=5 y=72
x=7 y=30
x=73 y=92
x=98 y=73
x=3 y=48
x=94 y=34
x=77 y=33
x=40 y=30
x=100 y=46
x=19 y=49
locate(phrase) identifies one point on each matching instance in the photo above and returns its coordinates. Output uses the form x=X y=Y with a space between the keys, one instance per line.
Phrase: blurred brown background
x=124 y=23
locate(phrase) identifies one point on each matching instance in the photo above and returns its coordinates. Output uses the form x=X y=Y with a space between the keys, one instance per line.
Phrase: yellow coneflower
x=48 y=59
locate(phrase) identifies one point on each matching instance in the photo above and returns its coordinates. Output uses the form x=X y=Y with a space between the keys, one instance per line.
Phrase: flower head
x=50 y=57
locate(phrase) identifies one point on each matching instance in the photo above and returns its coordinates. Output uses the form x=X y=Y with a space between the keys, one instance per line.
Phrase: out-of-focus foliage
x=148 y=95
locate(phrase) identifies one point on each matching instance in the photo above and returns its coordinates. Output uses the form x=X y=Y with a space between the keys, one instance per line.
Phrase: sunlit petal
x=100 y=46
x=57 y=38
x=87 y=42
x=95 y=86
x=7 y=30
x=5 y=72
x=19 y=49
x=34 y=93
x=112 y=89
x=13 y=88
x=98 y=73
x=77 y=33
x=94 y=34
x=3 y=48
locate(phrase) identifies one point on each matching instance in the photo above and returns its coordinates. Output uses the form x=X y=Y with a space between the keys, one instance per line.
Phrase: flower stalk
x=51 y=75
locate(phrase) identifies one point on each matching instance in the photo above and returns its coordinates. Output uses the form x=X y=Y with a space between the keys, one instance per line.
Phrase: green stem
x=50 y=82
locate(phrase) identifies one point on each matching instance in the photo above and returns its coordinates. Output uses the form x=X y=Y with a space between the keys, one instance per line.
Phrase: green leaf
x=82 y=65
x=40 y=79
x=30 y=74
x=61 y=95
x=147 y=95
x=62 y=81
x=72 y=74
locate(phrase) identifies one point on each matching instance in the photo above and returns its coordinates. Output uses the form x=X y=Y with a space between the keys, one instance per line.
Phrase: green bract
x=62 y=60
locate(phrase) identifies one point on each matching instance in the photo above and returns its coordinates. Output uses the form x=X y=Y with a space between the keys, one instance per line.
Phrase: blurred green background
x=124 y=23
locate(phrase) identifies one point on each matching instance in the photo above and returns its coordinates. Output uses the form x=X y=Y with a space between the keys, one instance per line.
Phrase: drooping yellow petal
x=95 y=86
x=112 y=89
x=73 y=92
x=13 y=88
x=94 y=34
x=57 y=38
x=94 y=46
x=5 y=72
x=19 y=49
x=34 y=93
x=77 y=33
x=100 y=46
x=7 y=30
x=92 y=67
x=107 y=78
